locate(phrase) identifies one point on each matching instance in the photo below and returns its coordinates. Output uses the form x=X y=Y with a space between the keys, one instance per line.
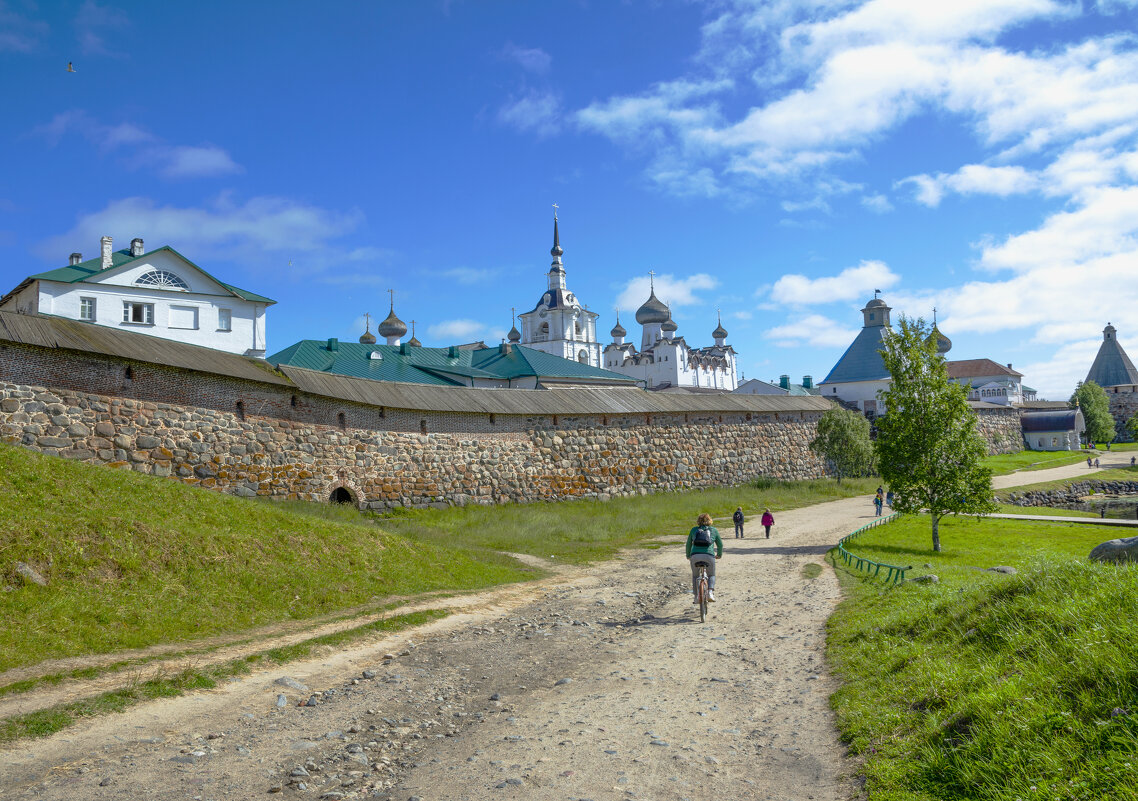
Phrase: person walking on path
x=878 y=500
x=889 y=499
x=1096 y=462
x=768 y=521
x=703 y=548
x=738 y=518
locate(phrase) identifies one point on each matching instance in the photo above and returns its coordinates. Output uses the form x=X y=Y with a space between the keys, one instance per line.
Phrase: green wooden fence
x=894 y=573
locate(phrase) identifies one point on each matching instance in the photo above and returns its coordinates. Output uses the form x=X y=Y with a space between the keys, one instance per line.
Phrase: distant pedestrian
x=1108 y=446
x=1089 y=462
x=738 y=518
x=878 y=500
x=889 y=498
x=1131 y=461
x=1096 y=462
x=768 y=521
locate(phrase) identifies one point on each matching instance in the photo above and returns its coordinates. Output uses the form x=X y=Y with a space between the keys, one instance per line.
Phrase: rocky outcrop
x=1072 y=493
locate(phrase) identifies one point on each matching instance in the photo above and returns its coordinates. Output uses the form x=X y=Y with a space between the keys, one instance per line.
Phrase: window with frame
x=87 y=309
x=163 y=279
x=224 y=320
x=138 y=313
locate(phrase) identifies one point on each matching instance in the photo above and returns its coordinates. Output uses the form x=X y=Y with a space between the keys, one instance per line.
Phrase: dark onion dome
x=669 y=325
x=653 y=311
x=515 y=335
x=367 y=338
x=392 y=326
x=720 y=332
x=413 y=342
x=618 y=330
x=943 y=343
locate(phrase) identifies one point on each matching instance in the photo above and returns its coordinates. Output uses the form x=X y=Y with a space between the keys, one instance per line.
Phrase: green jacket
x=716 y=541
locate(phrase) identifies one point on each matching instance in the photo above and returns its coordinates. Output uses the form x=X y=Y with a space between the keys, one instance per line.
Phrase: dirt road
x=594 y=685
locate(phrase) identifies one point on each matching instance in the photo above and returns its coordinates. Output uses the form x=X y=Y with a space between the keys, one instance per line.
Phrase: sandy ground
x=597 y=684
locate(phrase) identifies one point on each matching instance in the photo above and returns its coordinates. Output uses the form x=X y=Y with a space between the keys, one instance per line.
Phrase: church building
x=665 y=360
x=559 y=324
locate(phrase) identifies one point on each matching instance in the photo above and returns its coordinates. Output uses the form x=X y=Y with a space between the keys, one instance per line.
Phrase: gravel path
x=598 y=684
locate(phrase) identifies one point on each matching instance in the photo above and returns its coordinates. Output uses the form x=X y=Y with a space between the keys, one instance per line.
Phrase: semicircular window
x=162 y=279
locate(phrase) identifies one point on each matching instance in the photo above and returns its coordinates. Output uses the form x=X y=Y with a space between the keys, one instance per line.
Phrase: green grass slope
x=987 y=686
x=1004 y=463
x=133 y=560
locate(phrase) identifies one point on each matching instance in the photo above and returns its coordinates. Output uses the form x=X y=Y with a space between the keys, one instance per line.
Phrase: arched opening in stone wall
x=423 y=426
x=341 y=495
x=128 y=374
x=342 y=420
x=240 y=410
x=292 y=401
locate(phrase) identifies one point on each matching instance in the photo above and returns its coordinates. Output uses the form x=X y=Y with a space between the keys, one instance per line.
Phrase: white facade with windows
x=160 y=293
x=559 y=324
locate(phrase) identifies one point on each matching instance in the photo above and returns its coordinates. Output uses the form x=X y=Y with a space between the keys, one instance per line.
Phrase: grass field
x=1047 y=511
x=987 y=686
x=134 y=560
x=1114 y=474
x=1004 y=463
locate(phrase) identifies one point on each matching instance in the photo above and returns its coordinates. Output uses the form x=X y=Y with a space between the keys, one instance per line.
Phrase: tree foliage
x=1092 y=399
x=1132 y=426
x=843 y=440
x=928 y=450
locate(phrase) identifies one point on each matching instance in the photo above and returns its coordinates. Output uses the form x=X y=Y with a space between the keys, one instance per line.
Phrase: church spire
x=556 y=270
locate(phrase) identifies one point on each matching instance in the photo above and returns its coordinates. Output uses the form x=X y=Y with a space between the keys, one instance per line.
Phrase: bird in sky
x=69 y=67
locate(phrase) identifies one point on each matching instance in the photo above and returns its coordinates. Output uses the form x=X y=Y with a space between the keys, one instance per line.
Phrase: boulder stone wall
x=252 y=439
x=1001 y=429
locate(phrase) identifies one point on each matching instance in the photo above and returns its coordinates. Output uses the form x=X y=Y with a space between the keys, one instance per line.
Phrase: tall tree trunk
x=936 y=533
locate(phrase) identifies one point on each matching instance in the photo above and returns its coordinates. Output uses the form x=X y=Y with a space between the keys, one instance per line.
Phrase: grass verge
x=987 y=686
x=1004 y=463
x=49 y=721
x=1045 y=511
x=1105 y=476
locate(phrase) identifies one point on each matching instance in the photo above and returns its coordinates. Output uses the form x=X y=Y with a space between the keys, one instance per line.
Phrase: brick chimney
x=75 y=259
x=105 y=247
x=136 y=246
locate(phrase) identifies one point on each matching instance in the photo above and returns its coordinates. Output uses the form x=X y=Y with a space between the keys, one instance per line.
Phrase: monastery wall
x=250 y=438
x=1123 y=406
x=1001 y=428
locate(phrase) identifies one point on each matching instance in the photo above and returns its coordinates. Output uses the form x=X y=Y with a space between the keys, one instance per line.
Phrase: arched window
x=240 y=410
x=583 y=357
x=340 y=495
x=342 y=420
x=543 y=330
x=162 y=279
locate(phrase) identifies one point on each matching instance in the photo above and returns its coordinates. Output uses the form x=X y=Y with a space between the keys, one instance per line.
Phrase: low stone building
x=1053 y=430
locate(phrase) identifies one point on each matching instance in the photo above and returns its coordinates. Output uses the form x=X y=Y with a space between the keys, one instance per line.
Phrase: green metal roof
x=85 y=269
x=437 y=366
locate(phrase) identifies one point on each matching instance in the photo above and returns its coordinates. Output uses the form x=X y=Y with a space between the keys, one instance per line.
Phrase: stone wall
x=1072 y=493
x=248 y=438
x=1123 y=406
x=1001 y=428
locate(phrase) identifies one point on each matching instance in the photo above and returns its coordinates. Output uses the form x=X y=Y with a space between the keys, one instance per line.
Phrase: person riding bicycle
x=703 y=548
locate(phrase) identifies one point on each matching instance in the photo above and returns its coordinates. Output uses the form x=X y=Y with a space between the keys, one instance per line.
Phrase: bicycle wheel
x=703 y=599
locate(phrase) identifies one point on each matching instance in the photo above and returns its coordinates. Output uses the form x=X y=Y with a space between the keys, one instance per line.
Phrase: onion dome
x=943 y=343
x=669 y=325
x=392 y=326
x=413 y=342
x=720 y=332
x=653 y=311
x=367 y=337
x=618 y=329
x=515 y=335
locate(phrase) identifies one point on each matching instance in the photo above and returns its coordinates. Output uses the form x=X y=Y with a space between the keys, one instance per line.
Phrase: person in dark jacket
x=738 y=518
x=768 y=521
x=703 y=548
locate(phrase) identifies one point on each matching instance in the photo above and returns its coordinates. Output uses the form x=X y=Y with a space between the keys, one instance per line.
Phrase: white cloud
x=671 y=290
x=470 y=275
x=537 y=112
x=248 y=229
x=94 y=24
x=973 y=179
x=140 y=148
x=20 y=33
x=814 y=329
x=531 y=59
x=457 y=330
x=742 y=315
x=878 y=204
x=851 y=283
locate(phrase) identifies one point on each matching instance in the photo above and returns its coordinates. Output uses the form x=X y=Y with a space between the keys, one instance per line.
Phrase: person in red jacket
x=768 y=521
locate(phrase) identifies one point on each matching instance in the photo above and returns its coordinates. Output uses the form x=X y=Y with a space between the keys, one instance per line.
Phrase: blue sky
x=777 y=160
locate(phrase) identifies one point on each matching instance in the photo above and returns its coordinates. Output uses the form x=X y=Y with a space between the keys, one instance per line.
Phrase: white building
x=559 y=324
x=666 y=360
x=990 y=382
x=160 y=293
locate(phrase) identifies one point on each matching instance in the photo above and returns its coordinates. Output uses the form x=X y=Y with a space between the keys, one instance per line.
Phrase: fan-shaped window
x=162 y=279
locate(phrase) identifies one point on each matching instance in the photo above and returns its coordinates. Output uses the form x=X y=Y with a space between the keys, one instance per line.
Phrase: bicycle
x=701 y=592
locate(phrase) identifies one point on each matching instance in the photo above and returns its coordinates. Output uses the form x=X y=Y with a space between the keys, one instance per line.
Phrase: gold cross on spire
x=652 y=280
x=392 y=293
x=513 y=314
x=555 y=208
x=367 y=321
